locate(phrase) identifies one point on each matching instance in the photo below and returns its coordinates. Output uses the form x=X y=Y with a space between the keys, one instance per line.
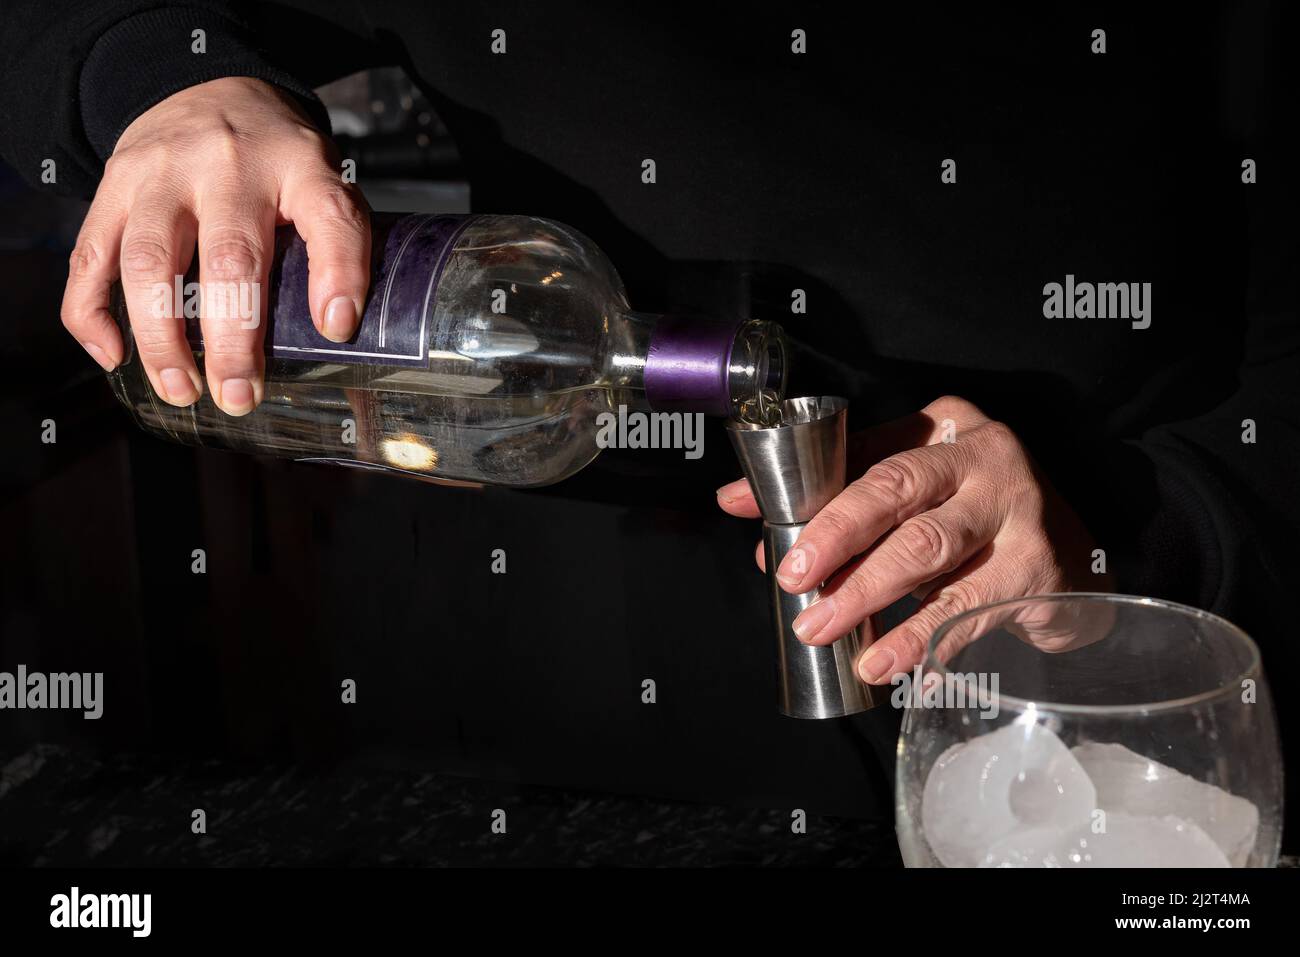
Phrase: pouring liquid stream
x=764 y=410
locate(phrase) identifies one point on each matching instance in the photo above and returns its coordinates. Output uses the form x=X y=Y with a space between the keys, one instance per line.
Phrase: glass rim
x=1228 y=687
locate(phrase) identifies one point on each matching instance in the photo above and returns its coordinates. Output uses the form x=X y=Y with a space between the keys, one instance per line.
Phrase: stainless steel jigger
x=794 y=469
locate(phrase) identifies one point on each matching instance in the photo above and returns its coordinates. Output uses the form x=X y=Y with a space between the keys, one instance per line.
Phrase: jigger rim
x=829 y=406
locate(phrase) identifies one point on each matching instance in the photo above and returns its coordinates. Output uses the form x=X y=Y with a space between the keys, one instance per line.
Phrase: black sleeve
x=1205 y=510
x=75 y=75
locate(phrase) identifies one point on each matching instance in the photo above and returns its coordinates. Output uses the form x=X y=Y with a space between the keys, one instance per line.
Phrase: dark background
x=478 y=691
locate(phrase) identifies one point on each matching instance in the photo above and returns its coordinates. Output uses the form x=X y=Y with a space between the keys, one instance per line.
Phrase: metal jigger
x=794 y=469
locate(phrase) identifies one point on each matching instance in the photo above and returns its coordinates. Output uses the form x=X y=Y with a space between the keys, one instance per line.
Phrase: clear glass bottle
x=488 y=347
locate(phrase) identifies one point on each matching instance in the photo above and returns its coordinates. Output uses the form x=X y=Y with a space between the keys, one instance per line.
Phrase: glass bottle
x=488 y=348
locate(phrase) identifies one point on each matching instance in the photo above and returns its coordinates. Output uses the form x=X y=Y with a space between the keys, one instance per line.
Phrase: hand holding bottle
x=953 y=511
x=221 y=163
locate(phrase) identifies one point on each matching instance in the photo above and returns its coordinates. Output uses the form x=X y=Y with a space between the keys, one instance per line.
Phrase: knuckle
x=145 y=257
x=313 y=140
x=232 y=254
x=155 y=339
x=120 y=168
x=339 y=212
x=893 y=480
x=956 y=597
x=913 y=636
x=72 y=320
x=854 y=593
x=926 y=543
x=82 y=319
x=1001 y=436
x=222 y=145
x=952 y=406
x=223 y=345
x=116 y=163
x=837 y=522
x=85 y=262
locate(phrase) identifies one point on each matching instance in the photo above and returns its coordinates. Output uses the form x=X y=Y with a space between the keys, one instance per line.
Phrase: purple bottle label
x=407 y=259
x=689 y=364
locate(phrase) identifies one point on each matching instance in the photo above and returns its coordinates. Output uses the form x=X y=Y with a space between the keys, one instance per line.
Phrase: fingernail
x=178 y=386
x=814 y=618
x=724 y=496
x=876 y=663
x=237 y=397
x=795 y=566
x=99 y=356
x=340 y=317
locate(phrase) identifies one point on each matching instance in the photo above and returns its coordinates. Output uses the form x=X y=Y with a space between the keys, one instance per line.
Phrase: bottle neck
x=626 y=361
x=685 y=364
